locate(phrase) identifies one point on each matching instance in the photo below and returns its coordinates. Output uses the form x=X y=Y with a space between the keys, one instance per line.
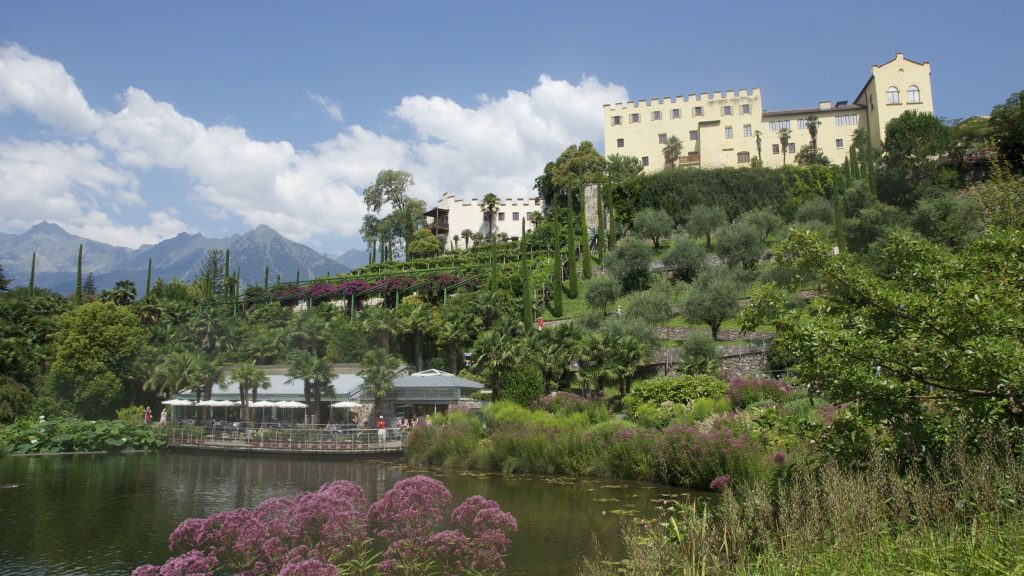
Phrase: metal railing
x=330 y=438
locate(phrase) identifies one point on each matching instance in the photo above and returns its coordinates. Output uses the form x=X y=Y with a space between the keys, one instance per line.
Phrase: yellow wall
x=639 y=126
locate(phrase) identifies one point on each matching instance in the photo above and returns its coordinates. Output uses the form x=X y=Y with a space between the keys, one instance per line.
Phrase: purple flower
x=779 y=457
x=311 y=567
x=720 y=482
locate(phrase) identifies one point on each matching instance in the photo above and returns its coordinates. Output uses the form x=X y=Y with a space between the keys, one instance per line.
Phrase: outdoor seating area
x=277 y=437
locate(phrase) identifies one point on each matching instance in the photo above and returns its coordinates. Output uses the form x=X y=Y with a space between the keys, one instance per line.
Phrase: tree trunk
x=418 y=339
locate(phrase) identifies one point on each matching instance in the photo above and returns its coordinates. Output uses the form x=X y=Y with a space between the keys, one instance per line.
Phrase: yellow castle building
x=720 y=129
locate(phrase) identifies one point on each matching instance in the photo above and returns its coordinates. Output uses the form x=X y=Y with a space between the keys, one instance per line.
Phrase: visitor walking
x=163 y=417
x=147 y=416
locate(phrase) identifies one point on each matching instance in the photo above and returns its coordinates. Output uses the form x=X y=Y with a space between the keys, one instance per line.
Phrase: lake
x=107 y=513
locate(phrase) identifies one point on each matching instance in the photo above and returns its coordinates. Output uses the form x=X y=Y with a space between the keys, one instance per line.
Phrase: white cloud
x=44 y=89
x=500 y=146
x=329 y=106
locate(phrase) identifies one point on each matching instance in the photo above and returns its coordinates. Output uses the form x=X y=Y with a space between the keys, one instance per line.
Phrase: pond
x=106 y=514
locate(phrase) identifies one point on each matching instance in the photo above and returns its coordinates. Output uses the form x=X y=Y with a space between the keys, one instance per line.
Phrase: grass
x=960 y=515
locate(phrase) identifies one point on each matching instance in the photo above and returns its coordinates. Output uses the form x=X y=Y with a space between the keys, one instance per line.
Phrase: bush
x=601 y=291
x=630 y=263
x=699 y=354
x=655 y=305
x=676 y=389
x=740 y=245
x=333 y=531
x=747 y=391
x=523 y=386
x=815 y=210
x=131 y=414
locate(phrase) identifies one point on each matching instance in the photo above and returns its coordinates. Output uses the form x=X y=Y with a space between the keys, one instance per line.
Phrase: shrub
x=523 y=386
x=655 y=305
x=685 y=259
x=630 y=263
x=333 y=531
x=677 y=389
x=131 y=414
x=601 y=292
x=63 y=434
x=747 y=391
x=699 y=354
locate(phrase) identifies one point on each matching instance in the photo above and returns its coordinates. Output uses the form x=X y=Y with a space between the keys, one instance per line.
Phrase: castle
x=720 y=129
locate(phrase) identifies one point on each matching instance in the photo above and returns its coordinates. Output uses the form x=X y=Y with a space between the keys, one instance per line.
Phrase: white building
x=450 y=216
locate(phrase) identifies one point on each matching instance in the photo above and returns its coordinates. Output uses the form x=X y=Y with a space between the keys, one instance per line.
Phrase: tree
x=685 y=259
x=757 y=141
x=524 y=280
x=968 y=144
x=467 y=235
x=928 y=353
x=577 y=166
x=949 y=219
x=1007 y=124
x=713 y=298
x=570 y=251
x=122 y=294
x=601 y=292
x=211 y=272
x=417 y=319
x=370 y=233
x=764 y=220
x=489 y=207
x=249 y=378
x=316 y=375
x=95 y=347
x=672 y=150
x=653 y=224
x=424 y=245
x=177 y=371
x=380 y=321
x=4 y=281
x=740 y=245
x=391 y=187
x=913 y=141
x=812 y=124
x=377 y=370
x=494 y=354
x=704 y=220
x=784 y=136
x=556 y=267
x=89 y=286
x=630 y=264
x=811 y=156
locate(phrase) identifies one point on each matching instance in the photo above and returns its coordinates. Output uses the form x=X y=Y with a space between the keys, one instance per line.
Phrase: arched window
x=893 y=94
x=913 y=94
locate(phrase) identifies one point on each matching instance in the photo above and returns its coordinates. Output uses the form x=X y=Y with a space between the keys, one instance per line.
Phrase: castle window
x=726 y=110
x=747 y=131
x=847 y=120
x=775 y=148
x=662 y=138
x=620 y=142
x=791 y=148
x=698 y=111
x=634 y=118
x=728 y=132
x=913 y=94
x=515 y=216
x=645 y=161
x=656 y=115
x=839 y=143
x=743 y=157
x=776 y=125
x=694 y=135
x=616 y=120
x=501 y=216
x=675 y=112
x=893 y=95
x=744 y=108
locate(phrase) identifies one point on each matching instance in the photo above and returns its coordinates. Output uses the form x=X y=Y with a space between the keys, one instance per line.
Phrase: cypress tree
x=266 y=277
x=32 y=276
x=601 y=238
x=78 y=278
x=556 y=271
x=296 y=277
x=524 y=272
x=149 y=276
x=226 y=285
x=570 y=252
x=278 y=278
x=587 y=270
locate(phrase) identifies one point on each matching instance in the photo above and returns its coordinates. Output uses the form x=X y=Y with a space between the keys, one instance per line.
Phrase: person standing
x=382 y=430
x=147 y=416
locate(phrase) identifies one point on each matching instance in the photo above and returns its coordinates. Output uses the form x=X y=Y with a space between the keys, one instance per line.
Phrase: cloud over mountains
x=85 y=174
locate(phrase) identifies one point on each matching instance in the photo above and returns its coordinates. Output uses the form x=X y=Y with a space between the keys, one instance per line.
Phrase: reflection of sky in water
x=107 y=514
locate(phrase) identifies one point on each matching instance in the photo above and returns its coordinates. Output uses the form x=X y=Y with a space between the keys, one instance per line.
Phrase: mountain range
x=178 y=257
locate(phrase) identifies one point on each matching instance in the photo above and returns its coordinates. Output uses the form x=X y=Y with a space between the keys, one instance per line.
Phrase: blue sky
x=130 y=122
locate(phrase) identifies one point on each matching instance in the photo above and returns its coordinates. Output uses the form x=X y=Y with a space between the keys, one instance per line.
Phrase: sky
x=131 y=122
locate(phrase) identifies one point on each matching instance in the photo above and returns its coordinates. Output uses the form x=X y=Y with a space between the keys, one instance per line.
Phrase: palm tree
x=262 y=344
x=456 y=326
x=629 y=353
x=177 y=371
x=123 y=292
x=495 y=353
x=812 y=124
x=490 y=208
x=467 y=235
x=308 y=330
x=784 y=135
x=249 y=377
x=599 y=363
x=377 y=369
x=672 y=151
x=416 y=319
x=380 y=321
x=757 y=140
x=316 y=375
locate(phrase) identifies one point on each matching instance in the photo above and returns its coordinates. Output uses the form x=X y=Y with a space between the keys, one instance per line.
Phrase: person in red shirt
x=382 y=430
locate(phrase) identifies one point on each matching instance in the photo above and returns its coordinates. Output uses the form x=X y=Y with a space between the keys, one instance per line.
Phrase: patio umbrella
x=292 y=404
x=176 y=402
x=215 y=403
x=262 y=405
x=348 y=405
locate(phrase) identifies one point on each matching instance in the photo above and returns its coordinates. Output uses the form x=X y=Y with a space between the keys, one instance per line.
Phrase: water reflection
x=103 y=514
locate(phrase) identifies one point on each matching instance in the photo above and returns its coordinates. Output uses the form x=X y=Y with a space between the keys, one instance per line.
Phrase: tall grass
x=962 y=515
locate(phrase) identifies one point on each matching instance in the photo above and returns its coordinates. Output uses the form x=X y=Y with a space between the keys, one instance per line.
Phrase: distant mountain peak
x=50 y=227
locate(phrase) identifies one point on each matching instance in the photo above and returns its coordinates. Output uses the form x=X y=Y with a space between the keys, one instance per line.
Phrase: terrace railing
x=329 y=438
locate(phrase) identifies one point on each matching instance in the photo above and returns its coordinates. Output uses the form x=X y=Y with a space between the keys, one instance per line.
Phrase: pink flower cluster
x=315 y=533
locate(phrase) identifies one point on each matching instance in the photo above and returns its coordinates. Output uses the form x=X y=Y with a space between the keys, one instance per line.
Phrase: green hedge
x=75 y=435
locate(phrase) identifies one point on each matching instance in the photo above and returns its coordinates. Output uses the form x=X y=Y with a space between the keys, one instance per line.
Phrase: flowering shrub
x=746 y=391
x=332 y=531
